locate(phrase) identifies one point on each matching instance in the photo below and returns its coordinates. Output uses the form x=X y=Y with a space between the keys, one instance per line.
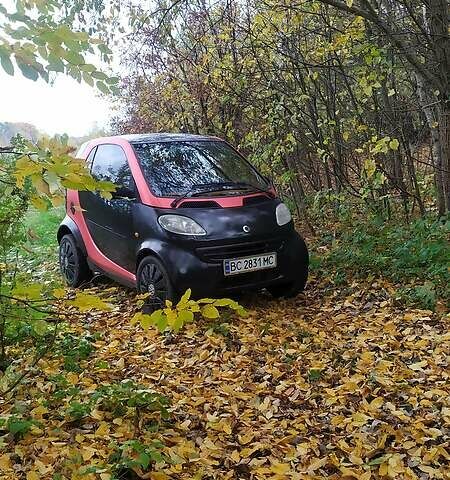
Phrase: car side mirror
x=122 y=192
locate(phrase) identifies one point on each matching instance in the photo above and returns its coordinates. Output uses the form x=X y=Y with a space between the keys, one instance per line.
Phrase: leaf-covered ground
x=333 y=384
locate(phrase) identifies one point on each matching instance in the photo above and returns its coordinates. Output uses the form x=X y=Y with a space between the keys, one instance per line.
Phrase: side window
x=110 y=164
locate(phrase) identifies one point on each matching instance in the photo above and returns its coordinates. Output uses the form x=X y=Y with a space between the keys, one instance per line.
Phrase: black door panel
x=110 y=221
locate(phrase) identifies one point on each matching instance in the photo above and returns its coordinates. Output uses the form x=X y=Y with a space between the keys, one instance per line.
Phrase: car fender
x=69 y=226
x=154 y=246
x=176 y=260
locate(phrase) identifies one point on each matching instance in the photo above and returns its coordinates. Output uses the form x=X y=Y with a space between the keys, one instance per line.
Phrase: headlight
x=181 y=225
x=283 y=214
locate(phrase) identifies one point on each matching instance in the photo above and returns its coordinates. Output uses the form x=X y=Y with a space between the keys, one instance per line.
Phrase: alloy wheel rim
x=154 y=281
x=67 y=261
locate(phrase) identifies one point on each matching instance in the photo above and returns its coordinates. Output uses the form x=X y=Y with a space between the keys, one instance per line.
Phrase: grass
x=44 y=225
x=39 y=257
x=415 y=256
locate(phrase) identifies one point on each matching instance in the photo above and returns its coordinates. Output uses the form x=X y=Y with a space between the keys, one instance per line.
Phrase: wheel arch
x=146 y=252
x=68 y=226
x=158 y=249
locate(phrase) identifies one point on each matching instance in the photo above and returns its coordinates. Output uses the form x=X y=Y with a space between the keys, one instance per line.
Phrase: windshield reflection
x=172 y=168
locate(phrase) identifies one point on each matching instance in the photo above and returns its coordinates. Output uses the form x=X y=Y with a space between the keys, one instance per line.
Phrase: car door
x=110 y=221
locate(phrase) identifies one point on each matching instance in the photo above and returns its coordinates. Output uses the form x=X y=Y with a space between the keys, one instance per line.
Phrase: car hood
x=235 y=223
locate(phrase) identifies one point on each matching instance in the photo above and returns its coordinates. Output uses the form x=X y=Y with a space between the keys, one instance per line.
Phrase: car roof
x=166 y=137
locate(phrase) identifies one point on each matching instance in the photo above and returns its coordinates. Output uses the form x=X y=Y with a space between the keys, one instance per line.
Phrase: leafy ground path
x=330 y=385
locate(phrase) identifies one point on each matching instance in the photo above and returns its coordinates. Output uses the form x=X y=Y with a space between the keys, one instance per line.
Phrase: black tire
x=152 y=277
x=292 y=289
x=72 y=262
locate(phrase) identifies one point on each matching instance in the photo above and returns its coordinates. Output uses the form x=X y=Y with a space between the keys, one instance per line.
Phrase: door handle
x=72 y=208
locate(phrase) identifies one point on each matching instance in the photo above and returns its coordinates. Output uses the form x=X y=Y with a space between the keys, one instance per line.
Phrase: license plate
x=233 y=266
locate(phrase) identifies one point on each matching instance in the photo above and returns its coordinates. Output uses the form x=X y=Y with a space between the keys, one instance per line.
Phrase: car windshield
x=173 y=168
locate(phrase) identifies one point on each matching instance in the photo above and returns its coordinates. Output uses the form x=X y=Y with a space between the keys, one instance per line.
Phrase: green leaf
x=242 y=312
x=28 y=71
x=86 y=301
x=102 y=87
x=206 y=300
x=186 y=296
x=377 y=461
x=87 y=67
x=155 y=318
x=39 y=203
x=367 y=89
x=104 y=49
x=28 y=292
x=74 y=57
x=114 y=90
x=224 y=302
x=99 y=75
x=177 y=323
x=186 y=316
x=88 y=79
x=6 y=64
x=394 y=144
x=40 y=327
x=143 y=460
x=171 y=315
x=314 y=374
x=112 y=80
x=55 y=64
x=210 y=311
x=162 y=323
x=145 y=320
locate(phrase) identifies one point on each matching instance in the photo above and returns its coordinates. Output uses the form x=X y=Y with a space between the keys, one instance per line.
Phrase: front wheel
x=152 y=278
x=72 y=262
x=291 y=289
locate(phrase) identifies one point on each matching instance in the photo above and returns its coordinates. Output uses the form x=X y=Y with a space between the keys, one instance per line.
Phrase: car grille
x=199 y=204
x=218 y=253
x=256 y=200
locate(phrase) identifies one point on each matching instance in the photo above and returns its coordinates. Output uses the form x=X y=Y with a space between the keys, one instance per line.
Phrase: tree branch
x=371 y=15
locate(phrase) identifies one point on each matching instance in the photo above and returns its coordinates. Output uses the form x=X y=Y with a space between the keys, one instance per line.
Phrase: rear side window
x=110 y=164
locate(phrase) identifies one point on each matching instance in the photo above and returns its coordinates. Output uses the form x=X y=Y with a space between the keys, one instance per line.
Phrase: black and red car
x=188 y=212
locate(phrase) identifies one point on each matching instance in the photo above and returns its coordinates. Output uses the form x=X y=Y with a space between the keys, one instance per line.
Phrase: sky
x=65 y=106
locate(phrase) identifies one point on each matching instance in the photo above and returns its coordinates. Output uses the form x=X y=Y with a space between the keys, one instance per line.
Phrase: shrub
x=133 y=455
x=118 y=399
x=174 y=317
x=408 y=253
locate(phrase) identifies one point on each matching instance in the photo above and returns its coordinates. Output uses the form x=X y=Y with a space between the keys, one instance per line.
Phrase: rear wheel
x=152 y=278
x=72 y=262
x=291 y=289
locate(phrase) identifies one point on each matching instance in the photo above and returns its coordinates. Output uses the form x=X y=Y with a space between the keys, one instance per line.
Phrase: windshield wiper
x=190 y=192
x=201 y=188
x=252 y=187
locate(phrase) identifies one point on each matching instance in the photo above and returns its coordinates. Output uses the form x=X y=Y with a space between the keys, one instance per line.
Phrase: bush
x=174 y=317
x=408 y=253
x=423 y=296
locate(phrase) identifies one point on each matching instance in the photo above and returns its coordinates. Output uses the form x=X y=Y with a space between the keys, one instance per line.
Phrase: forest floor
x=337 y=383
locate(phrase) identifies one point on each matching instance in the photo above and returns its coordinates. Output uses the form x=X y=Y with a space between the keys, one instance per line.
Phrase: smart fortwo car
x=188 y=212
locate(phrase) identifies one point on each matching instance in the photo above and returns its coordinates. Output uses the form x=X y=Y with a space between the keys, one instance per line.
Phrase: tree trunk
x=444 y=131
x=437 y=22
x=431 y=110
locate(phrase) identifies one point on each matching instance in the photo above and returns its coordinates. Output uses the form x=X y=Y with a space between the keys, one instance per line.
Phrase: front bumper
x=200 y=267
